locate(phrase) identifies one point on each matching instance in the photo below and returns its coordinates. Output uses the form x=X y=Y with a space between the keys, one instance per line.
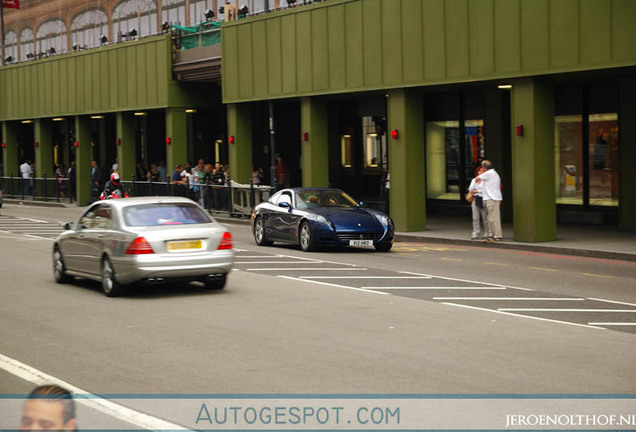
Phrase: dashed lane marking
x=451 y=259
x=612 y=301
x=512 y=298
x=494 y=263
x=306 y=269
x=364 y=277
x=435 y=288
x=565 y=310
x=544 y=269
x=334 y=285
x=617 y=324
x=599 y=276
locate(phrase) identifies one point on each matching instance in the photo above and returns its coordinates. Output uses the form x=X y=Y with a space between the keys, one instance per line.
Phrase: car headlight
x=323 y=220
x=384 y=220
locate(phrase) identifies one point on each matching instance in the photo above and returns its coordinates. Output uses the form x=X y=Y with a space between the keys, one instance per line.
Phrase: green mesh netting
x=204 y=34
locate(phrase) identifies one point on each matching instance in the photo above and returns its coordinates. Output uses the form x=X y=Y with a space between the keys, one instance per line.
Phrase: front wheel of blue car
x=383 y=247
x=306 y=238
x=259 y=233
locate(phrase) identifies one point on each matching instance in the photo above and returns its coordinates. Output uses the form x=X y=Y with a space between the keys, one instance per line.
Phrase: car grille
x=345 y=237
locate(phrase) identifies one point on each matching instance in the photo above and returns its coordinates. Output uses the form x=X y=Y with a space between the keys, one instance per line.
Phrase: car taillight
x=139 y=246
x=226 y=241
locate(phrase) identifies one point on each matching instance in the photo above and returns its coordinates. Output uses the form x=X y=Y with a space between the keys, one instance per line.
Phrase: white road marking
x=468 y=281
x=315 y=260
x=271 y=262
x=436 y=288
x=365 y=277
x=105 y=406
x=334 y=285
x=511 y=298
x=612 y=301
x=564 y=310
x=523 y=316
x=305 y=269
x=33 y=220
x=613 y=323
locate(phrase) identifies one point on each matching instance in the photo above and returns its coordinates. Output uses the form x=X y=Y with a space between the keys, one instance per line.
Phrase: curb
x=36 y=203
x=528 y=247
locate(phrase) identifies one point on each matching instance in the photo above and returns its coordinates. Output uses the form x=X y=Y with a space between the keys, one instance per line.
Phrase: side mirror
x=69 y=226
x=362 y=204
x=285 y=205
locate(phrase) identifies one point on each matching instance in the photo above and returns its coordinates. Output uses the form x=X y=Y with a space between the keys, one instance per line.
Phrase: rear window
x=164 y=214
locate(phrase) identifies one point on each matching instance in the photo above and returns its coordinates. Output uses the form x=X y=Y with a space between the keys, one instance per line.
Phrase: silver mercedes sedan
x=151 y=239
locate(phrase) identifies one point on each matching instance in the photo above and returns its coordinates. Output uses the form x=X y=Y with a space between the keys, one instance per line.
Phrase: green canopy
x=204 y=34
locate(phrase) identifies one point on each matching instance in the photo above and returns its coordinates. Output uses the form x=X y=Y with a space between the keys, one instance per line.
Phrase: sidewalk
x=579 y=240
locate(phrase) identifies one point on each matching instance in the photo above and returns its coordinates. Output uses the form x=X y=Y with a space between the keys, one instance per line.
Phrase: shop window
x=173 y=11
x=26 y=45
x=51 y=38
x=346 y=152
x=137 y=15
x=568 y=136
x=88 y=28
x=445 y=166
x=603 y=157
x=375 y=150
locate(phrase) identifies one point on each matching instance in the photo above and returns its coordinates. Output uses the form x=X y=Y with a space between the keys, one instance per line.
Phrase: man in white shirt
x=492 y=197
x=26 y=171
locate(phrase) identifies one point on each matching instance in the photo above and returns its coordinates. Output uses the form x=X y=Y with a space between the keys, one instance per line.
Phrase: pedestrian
x=60 y=175
x=96 y=181
x=25 y=170
x=71 y=181
x=48 y=407
x=218 y=180
x=257 y=175
x=492 y=200
x=115 y=166
x=282 y=174
x=153 y=174
x=178 y=181
x=208 y=181
x=162 y=171
x=479 y=211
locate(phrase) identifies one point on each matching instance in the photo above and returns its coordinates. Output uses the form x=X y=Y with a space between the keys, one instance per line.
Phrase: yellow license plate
x=184 y=245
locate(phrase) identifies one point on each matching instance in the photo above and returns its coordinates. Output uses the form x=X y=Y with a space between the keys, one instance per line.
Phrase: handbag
x=469 y=196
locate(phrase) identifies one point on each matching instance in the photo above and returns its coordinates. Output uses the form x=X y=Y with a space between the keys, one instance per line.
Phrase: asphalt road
x=423 y=318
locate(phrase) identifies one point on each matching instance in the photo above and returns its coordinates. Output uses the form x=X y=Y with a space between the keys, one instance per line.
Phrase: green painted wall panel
x=47 y=92
x=507 y=36
x=391 y=61
x=132 y=93
x=564 y=21
x=336 y=30
x=481 y=40
x=434 y=40
x=535 y=34
x=596 y=47
x=304 y=61
x=274 y=57
x=412 y=40
x=245 y=64
x=623 y=29
x=358 y=45
x=72 y=85
x=354 y=41
x=457 y=52
x=372 y=47
x=259 y=43
x=288 y=43
x=319 y=49
x=63 y=80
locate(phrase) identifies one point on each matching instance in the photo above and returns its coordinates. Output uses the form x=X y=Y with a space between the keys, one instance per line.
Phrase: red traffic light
x=168 y=141
x=394 y=134
x=76 y=144
x=231 y=139
x=3 y=145
x=305 y=136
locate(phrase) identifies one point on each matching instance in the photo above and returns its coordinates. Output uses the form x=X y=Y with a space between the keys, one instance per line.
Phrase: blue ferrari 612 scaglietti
x=320 y=217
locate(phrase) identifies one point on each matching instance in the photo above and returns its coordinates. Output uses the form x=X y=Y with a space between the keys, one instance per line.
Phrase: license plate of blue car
x=360 y=242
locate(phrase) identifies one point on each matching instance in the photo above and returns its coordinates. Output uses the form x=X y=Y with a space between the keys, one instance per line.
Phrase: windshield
x=324 y=198
x=164 y=214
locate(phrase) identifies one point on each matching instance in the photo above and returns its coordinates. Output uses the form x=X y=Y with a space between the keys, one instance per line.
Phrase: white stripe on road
x=564 y=310
x=365 y=277
x=97 y=403
x=33 y=220
x=333 y=285
x=271 y=262
x=510 y=298
x=612 y=301
x=315 y=260
x=523 y=316
x=305 y=269
x=613 y=323
x=467 y=280
x=435 y=288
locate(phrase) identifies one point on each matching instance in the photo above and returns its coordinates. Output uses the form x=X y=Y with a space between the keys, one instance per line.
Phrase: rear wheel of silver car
x=59 y=269
x=259 y=233
x=216 y=283
x=110 y=286
x=306 y=238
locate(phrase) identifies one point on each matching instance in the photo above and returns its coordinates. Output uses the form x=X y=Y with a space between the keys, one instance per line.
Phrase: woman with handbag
x=480 y=214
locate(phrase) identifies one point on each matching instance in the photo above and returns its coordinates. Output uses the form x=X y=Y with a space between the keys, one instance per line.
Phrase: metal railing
x=237 y=200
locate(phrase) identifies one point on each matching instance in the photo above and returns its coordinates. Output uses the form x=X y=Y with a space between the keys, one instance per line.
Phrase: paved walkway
x=580 y=240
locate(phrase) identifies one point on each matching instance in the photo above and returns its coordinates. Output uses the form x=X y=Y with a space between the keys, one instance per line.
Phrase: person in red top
x=282 y=174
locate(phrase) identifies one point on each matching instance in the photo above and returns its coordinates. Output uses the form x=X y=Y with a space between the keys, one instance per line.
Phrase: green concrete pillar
x=534 y=206
x=314 y=121
x=407 y=166
x=83 y=156
x=627 y=156
x=126 y=140
x=44 y=151
x=177 y=133
x=239 y=126
x=10 y=162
